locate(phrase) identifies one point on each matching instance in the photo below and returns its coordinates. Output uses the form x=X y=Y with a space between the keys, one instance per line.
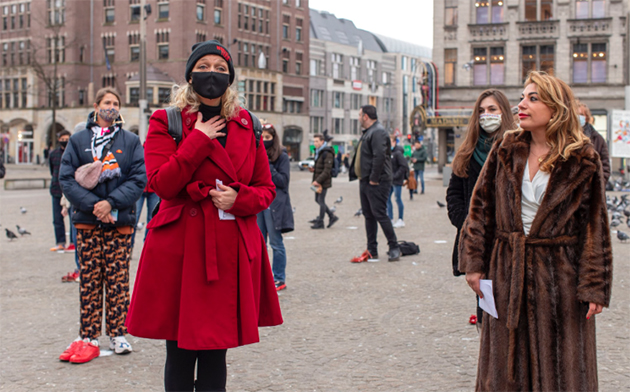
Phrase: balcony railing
x=590 y=27
x=488 y=32
x=542 y=29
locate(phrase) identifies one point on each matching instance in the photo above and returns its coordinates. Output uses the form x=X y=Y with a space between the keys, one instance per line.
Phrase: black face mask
x=268 y=144
x=63 y=144
x=210 y=85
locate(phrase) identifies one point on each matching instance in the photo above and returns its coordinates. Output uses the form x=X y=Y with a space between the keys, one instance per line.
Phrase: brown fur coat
x=542 y=282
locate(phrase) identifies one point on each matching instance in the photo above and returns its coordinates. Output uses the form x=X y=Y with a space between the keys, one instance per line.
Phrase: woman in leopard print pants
x=105 y=218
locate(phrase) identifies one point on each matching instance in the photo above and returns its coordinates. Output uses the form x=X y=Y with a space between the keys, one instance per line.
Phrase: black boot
x=318 y=225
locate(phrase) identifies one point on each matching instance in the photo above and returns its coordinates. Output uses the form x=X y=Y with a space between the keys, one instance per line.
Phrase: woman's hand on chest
x=224 y=198
x=211 y=127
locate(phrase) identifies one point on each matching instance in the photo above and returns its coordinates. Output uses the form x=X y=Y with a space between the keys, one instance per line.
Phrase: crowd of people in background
x=516 y=165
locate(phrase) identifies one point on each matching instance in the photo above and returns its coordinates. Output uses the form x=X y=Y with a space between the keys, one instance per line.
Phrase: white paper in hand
x=222 y=214
x=487 y=302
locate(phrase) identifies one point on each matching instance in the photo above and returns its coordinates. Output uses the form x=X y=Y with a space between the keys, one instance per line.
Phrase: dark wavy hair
x=274 y=152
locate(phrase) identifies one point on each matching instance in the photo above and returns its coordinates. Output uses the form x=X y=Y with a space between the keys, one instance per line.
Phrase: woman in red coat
x=204 y=283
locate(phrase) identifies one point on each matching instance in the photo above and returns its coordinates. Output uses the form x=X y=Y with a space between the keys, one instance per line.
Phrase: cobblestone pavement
x=348 y=327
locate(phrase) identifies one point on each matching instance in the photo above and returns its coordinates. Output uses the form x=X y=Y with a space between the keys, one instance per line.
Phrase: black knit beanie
x=209 y=47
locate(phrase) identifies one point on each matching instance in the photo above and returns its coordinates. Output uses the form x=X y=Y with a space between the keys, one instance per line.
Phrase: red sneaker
x=72 y=348
x=70 y=248
x=363 y=258
x=85 y=353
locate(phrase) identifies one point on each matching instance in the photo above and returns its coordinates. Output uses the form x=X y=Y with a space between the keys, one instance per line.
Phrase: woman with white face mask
x=491 y=117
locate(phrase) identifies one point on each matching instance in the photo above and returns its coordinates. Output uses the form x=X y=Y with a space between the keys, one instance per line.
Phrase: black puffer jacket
x=376 y=152
x=400 y=167
x=323 y=167
x=281 y=210
x=121 y=192
x=458 y=194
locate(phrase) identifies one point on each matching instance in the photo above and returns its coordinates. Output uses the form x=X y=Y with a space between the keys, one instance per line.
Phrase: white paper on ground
x=487 y=302
x=440 y=242
x=106 y=353
x=222 y=214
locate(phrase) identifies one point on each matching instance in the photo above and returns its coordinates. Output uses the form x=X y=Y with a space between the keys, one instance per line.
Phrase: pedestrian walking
x=490 y=119
x=400 y=170
x=322 y=180
x=411 y=183
x=418 y=158
x=204 y=283
x=538 y=229
x=372 y=165
x=278 y=218
x=55 y=191
x=104 y=215
x=586 y=121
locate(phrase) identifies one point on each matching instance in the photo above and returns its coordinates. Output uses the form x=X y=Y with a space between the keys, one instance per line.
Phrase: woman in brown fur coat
x=538 y=228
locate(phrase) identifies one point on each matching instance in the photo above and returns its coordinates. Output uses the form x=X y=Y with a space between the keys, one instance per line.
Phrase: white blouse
x=533 y=192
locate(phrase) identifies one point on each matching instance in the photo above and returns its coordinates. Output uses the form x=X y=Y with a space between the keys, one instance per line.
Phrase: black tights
x=179 y=371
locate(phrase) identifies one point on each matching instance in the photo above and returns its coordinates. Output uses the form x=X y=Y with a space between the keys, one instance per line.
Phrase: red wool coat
x=202 y=281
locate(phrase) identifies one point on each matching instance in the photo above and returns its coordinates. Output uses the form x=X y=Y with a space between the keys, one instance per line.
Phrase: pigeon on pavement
x=333 y=209
x=10 y=235
x=623 y=237
x=23 y=210
x=338 y=201
x=21 y=230
x=615 y=223
x=359 y=212
x=441 y=204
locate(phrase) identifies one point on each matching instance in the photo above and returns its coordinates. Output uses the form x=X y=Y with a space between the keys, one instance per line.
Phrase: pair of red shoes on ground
x=365 y=256
x=80 y=351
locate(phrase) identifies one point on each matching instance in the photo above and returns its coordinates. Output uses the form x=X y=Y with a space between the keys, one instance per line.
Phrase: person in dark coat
x=538 y=229
x=419 y=158
x=204 y=283
x=400 y=170
x=278 y=218
x=322 y=180
x=105 y=217
x=54 y=159
x=586 y=121
x=482 y=132
x=372 y=165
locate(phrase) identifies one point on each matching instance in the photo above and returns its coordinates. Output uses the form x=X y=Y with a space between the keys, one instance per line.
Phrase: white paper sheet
x=487 y=302
x=222 y=214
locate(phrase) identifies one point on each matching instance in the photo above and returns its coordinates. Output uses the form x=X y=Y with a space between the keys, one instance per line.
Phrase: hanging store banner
x=620 y=134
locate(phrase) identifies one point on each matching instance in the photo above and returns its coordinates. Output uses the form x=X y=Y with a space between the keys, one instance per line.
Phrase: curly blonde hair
x=184 y=96
x=564 y=133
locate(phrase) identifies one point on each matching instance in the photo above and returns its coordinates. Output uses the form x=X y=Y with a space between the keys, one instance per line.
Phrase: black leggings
x=179 y=371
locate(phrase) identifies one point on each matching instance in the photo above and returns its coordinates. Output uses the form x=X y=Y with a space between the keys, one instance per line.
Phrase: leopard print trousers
x=104 y=255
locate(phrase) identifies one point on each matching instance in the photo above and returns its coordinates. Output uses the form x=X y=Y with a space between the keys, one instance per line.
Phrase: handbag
x=87 y=175
x=408 y=248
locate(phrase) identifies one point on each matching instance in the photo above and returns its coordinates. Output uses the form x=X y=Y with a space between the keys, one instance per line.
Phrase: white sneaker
x=120 y=345
x=399 y=224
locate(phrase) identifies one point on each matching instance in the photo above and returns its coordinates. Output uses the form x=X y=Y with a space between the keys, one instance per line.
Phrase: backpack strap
x=256 y=127
x=175 y=128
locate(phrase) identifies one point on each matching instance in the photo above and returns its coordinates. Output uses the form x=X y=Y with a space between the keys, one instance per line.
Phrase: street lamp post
x=142 y=102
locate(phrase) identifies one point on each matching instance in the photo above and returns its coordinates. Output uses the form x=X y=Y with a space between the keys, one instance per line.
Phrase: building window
x=403 y=63
x=298 y=63
x=163 y=11
x=355 y=101
x=585 y=9
x=134 y=53
x=450 y=13
x=134 y=95
x=162 y=39
x=110 y=16
x=338 y=126
x=450 y=66
x=201 y=12
x=317 y=98
x=298 y=3
x=537 y=58
x=56 y=49
x=480 y=67
x=538 y=10
x=218 y=12
x=217 y=16
x=317 y=124
x=56 y=12
x=497 y=66
x=163 y=51
x=286 y=56
x=259 y=94
x=164 y=95
x=589 y=64
x=337 y=65
x=355 y=68
x=315 y=67
x=371 y=70
x=286 y=21
x=385 y=78
x=489 y=11
x=290 y=106
x=298 y=29
x=489 y=69
x=354 y=127
x=338 y=99
x=134 y=11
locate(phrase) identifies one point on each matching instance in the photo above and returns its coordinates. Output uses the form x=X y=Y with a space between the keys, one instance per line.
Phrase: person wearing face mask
x=54 y=162
x=490 y=119
x=278 y=218
x=586 y=120
x=105 y=217
x=204 y=283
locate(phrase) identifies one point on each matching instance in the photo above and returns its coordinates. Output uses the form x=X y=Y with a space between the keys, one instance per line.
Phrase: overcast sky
x=406 y=20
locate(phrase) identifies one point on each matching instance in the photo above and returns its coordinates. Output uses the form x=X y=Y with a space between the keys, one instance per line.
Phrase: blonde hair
x=587 y=112
x=184 y=96
x=564 y=133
